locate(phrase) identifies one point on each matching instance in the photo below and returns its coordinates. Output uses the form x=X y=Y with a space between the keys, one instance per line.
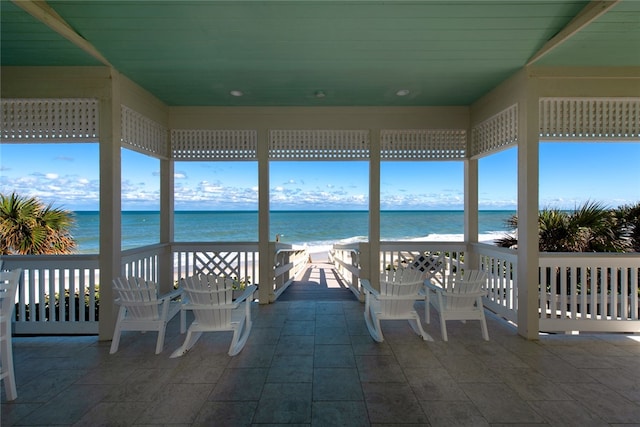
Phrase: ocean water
x=300 y=228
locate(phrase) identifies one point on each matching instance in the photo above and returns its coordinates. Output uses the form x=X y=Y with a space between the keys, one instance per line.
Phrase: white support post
x=528 y=141
x=264 y=249
x=110 y=205
x=165 y=263
x=373 y=272
x=471 y=210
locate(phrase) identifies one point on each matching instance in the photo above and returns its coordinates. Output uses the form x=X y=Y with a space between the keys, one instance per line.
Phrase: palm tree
x=629 y=219
x=28 y=227
x=589 y=228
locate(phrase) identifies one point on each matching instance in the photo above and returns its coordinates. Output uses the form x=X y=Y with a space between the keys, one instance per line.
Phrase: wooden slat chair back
x=210 y=298
x=143 y=309
x=399 y=290
x=403 y=283
x=8 y=285
x=459 y=299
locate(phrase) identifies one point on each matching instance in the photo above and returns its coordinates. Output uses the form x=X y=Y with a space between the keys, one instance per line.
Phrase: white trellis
x=67 y=120
x=423 y=144
x=319 y=145
x=143 y=134
x=580 y=119
x=214 y=144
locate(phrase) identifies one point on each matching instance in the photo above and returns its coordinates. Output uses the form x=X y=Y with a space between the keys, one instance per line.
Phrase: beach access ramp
x=318 y=282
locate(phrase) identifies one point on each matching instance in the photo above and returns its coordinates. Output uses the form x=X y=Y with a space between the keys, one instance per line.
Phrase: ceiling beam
x=591 y=12
x=40 y=10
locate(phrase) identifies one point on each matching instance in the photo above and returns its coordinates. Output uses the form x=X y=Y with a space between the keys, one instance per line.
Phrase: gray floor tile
x=332 y=384
x=392 y=403
x=284 y=403
x=337 y=413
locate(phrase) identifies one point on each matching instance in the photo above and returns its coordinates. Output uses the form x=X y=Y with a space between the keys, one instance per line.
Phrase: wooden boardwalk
x=319 y=282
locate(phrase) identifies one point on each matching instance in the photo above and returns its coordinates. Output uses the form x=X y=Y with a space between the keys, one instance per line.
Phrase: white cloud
x=51 y=176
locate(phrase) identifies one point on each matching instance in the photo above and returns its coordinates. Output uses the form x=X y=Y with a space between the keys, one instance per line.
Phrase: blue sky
x=570 y=174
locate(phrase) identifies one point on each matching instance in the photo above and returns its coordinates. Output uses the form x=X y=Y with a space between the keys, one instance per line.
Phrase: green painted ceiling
x=357 y=52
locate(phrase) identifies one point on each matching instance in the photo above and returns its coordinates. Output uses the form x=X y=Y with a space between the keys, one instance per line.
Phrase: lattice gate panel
x=143 y=134
x=319 y=145
x=49 y=120
x=214 y=144
x=495 y=133
x=423 y=144
x=589 y=119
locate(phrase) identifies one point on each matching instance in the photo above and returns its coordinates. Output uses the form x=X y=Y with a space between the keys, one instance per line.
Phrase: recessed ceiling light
x=320 y=94
x=236 y=93
x=403 y=92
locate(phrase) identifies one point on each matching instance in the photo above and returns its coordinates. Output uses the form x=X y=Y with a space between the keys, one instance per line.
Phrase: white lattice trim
x=142 y=133
x=319 y=144
x=423 y=144
x=496 y=132
x=49 y=120
x=214 y=144
x=589 y=118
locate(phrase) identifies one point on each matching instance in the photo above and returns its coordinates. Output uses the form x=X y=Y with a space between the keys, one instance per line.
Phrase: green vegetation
x=589 y=228
x=29 y=227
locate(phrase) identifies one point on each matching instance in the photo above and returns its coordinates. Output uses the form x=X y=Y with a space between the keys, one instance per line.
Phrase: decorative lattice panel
x=319 y=145
x=49 y=120
x=423 y=144
x=495 y=133
x=214 y=144
x=589 y=118
x=143 y=134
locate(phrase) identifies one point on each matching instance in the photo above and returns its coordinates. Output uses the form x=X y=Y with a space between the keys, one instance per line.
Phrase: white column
x=528 y=138
x=265 y=253
x=110 y=205
x=374 y=209
x=165 y=267
x=471 y=211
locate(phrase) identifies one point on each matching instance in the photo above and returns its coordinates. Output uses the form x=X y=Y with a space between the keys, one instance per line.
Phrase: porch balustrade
x=59 y=294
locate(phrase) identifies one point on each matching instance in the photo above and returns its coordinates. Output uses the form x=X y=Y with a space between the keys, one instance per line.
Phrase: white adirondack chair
x=459 y=299
x=142 y=309
x=210 y=298
x=8 y=285
x=399 y=290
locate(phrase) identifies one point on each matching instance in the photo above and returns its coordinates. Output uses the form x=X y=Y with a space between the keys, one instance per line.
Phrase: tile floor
x=312 y=363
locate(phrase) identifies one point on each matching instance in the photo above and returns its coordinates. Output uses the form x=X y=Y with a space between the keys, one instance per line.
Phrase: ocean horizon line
x=142 y=211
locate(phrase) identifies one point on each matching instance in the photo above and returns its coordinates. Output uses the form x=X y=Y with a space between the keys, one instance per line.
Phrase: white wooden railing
x=589 y=292
x=58 y=294
x=579 y=292
x=437 y=259
x=502 y=290
x=346 y=260
x=287 y=263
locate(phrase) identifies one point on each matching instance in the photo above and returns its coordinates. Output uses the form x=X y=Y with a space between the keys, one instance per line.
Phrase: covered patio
x=296 y=81
x=314 y=363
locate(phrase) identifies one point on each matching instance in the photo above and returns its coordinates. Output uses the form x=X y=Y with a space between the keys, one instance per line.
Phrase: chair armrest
x=429 y=286
x=368 y=288
x=172 y=295
x=248 y=292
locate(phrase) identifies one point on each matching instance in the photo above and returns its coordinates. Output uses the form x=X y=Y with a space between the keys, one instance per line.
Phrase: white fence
x=60 y=294
x=589 y=292
x=502 y=290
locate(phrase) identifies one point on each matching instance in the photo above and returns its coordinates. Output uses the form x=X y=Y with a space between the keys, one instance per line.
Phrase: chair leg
x=483 y=326
x=161 y=332
x=115 y=342
x=443 y=328
x=417 y=328
x=6 y=363
x=240 y=336
x=427 y=309
x=189 y=342
x=373 y=324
